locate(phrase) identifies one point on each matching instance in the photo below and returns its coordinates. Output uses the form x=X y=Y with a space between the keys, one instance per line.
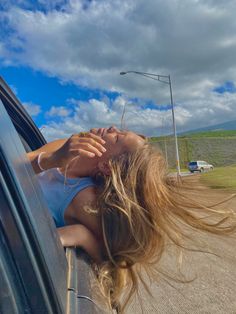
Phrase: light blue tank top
x=59 y=193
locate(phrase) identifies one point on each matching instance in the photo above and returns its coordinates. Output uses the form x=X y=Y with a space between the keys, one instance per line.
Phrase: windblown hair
x=141 y=207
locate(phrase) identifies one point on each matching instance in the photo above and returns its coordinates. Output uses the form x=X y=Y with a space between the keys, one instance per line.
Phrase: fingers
x=87 y=142
x=83 y=152
x=90 y=148
x=92 y=143
x=86 y=146
x=97 y=138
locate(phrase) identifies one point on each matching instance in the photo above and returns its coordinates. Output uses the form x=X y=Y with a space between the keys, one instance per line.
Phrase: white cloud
x=192 y=40
x=100 y=114
x=32 y=109
x=148 y=121
x=58 y=111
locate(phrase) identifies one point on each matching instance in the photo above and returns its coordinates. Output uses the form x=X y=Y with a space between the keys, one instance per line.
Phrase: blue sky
x=63 y=59
x=35 y=87
x=227 y=87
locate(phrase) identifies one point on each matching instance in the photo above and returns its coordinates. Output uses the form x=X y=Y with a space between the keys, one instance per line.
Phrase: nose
x=112 y=129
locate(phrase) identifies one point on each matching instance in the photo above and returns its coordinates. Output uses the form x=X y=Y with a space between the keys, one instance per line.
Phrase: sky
x=62 y=59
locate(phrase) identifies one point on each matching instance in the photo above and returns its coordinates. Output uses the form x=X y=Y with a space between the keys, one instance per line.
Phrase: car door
x=35 y=273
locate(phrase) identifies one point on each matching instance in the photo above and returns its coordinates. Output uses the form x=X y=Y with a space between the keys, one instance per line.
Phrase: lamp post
x=166 y=80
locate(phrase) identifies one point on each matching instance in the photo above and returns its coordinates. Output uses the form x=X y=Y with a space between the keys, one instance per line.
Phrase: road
x=213 y=290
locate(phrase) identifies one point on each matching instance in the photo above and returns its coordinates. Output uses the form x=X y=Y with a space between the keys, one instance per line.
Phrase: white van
x=200 y=166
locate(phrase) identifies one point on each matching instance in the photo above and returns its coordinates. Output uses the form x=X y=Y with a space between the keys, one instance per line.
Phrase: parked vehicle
x=36 y=274
x=199 y=166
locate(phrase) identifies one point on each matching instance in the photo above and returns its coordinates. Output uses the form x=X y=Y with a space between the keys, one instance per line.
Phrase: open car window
x=27 y=224
x=35 y=273
x=24 y=125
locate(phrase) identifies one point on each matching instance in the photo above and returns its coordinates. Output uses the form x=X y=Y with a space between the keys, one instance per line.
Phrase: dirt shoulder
x=213 y=289
x=208 y=196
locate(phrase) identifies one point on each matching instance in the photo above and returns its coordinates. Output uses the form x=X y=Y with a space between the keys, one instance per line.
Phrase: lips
x=99 y=131
x=103 y=132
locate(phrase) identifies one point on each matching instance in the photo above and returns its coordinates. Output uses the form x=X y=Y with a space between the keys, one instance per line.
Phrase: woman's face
x=118 y=142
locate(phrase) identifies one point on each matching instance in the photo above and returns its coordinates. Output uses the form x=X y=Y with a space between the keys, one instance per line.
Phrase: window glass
x=193 y=163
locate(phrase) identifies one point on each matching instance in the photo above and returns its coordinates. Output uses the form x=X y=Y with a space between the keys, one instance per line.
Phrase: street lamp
x=166 y=80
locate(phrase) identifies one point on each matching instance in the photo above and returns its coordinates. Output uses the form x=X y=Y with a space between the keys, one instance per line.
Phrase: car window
x=67 y=274
x=30 y=136
x=12 y=298
x=25 y=144
x=30 y=210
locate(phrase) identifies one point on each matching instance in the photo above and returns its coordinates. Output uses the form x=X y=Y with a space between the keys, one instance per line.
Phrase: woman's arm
x=47 y=160
x=79 y=235
x=60 y=152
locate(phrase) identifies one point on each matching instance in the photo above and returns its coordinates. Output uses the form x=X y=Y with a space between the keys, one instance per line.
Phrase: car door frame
x=78 y=291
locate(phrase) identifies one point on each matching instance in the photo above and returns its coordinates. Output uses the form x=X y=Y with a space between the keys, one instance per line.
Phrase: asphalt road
x=213 y=290
x=214 y=287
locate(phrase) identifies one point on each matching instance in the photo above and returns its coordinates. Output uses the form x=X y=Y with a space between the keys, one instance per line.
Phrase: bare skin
x=85 y=155
x=60 y=152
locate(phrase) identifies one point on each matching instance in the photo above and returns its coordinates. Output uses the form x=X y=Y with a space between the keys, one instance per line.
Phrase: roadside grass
x=220 y=178
x=206 y=134
x=172 y=170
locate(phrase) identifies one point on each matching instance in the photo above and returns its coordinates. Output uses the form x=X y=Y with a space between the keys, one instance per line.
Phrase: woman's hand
x=82 y=144
x=81 y=236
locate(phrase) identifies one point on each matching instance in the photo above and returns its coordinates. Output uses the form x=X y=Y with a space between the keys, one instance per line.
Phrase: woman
x=124 y=215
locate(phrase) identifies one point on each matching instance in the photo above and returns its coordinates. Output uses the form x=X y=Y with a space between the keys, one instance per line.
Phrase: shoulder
x=84 y=209
x=86 y=197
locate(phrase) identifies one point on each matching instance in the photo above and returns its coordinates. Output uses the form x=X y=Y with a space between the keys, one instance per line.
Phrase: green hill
x=228 y=125
x=218 y=133
x=216 y=147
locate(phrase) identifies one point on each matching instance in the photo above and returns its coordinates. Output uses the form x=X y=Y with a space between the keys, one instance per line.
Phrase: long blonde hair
x=141 y=208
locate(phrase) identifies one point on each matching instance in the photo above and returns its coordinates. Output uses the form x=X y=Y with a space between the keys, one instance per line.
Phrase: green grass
x=171 y=170
x=220 y=178
x=220 y=133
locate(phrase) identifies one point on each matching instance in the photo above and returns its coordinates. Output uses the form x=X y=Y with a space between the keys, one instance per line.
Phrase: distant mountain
x=230 y=125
